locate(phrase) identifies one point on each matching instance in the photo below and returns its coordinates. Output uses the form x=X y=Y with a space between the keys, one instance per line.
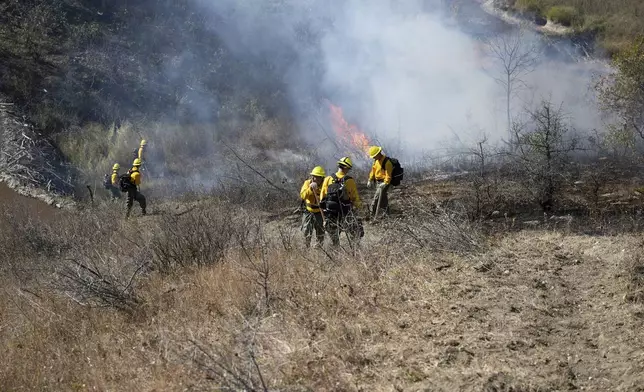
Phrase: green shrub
x=596 y=24
x=564 y=15
x=536 y=6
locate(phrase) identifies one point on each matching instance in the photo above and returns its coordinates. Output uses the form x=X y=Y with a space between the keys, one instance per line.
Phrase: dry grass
x=533 y=311
x=618 y=22
x=194 y=159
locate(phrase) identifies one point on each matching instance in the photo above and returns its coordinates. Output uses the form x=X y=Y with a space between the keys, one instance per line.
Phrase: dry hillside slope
x=211 y=297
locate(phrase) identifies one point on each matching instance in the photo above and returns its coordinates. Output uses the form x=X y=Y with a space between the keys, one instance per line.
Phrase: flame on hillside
x=348 y=134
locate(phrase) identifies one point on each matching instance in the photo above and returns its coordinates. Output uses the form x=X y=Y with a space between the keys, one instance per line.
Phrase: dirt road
x=34 y=208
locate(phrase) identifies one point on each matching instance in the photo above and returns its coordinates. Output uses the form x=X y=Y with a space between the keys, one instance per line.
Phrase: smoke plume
x=405 y=71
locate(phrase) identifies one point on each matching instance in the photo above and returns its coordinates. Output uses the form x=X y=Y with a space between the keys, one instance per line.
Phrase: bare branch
x=253 y=169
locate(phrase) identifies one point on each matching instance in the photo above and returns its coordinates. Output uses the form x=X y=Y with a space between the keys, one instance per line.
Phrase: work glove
x=369 y=184
x=313 y=185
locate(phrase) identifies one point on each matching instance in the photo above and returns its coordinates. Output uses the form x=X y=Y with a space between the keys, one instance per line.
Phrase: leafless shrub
x=200 y=237
x=254 y=260
x=32 y=248
x=544 y=145
x=439 y=228
x=287 y=237
x=103 y=281
x=485 y=194
x=98 y=268
x=513 y=56
x=234 y=365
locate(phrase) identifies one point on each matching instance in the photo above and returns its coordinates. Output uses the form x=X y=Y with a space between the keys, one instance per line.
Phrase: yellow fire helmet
x=374 y=150
x=318 y=171
x=137 y=162
x=345 y=162
x=116 y=166
x=144 y=142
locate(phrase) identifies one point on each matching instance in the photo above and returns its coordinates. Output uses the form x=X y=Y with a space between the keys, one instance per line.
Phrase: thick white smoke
x=400 y=69
x=407 y=74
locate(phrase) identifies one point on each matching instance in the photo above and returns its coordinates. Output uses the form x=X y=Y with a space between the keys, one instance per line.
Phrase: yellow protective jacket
x=115 y=178
x=135 y=175
x=349 y=185
x=380 y=173
x=308 y=196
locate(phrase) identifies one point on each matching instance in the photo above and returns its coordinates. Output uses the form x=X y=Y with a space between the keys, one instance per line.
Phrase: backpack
x=398 y=172
x=337 y=198
x=125 y=182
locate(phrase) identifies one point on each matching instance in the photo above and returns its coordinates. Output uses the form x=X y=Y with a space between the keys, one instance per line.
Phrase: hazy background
x=401 y=70
x=189 y=76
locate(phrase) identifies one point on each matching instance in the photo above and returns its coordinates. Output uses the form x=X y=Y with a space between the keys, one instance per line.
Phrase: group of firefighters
x=132 y=189
x=325 y=214
x=331 y=202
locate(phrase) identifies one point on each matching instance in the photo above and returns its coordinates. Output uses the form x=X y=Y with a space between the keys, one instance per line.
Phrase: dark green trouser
x=312 y=222
x=116 y=192
x=134 y=194
x=336 y=224
x=381 y=194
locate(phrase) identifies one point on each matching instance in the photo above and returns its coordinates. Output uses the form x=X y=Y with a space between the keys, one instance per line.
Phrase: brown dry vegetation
x=538 y=310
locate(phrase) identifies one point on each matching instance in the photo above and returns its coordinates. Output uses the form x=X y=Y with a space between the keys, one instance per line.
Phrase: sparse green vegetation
x=565 y=15
x=537 y=6
x=622 y=94
x=617 y=23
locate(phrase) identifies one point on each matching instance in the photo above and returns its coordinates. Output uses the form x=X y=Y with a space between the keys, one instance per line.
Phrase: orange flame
x=349 y=134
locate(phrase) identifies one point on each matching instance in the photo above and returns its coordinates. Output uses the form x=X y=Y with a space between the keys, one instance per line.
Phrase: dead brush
x=25 y=244
x=100 y=269
x=438 y=228
x=102 y=281
x=199 y=237
x=254 y=250
x=635 y=287
x=232 y=363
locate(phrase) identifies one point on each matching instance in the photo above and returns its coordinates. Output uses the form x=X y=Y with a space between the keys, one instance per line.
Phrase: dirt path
x=538 y=312
x=34 y=208
x=550 y=316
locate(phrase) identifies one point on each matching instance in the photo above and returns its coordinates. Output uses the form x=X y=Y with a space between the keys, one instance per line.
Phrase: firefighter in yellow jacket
x=381 y=174
x=340 y=197
x=114 y=182
x=133 y=190
x=312 y=217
